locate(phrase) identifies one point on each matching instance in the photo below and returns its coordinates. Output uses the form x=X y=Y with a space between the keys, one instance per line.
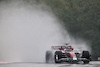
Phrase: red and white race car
x=66 y=54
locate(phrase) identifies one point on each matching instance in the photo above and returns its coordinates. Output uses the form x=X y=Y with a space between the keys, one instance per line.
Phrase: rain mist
x=27 y=32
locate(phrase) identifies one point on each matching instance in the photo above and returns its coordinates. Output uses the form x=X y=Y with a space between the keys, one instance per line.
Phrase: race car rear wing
x=58 y=47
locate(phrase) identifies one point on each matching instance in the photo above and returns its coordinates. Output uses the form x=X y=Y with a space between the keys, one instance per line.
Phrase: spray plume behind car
x=27 y=31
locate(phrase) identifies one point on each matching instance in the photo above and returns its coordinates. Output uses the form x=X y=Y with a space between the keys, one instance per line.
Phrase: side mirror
x=66 y=43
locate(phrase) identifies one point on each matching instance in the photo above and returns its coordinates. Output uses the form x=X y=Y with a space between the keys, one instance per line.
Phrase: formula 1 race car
x=66 y=54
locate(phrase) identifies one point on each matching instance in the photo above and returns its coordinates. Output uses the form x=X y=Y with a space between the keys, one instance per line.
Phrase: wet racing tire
x=49 y=56
x=57 y=56
x=85 y=54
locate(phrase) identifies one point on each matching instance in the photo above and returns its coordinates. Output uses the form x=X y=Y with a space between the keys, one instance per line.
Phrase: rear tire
x=57 y=56
x=49 y=56
x=85 y=54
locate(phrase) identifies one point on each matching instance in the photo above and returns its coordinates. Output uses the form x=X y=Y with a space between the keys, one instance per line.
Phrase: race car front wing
x=73 y=59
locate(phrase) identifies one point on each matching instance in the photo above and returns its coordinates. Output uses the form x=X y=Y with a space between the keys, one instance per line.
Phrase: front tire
x=85 y=54
x=57 y=56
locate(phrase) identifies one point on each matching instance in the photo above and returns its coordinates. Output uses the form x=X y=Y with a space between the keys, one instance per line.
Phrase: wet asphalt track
x=91 y=64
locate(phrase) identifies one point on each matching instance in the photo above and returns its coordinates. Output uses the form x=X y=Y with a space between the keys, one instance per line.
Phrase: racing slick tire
x=57 y=56
x=85 y=54
x=49 y=56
